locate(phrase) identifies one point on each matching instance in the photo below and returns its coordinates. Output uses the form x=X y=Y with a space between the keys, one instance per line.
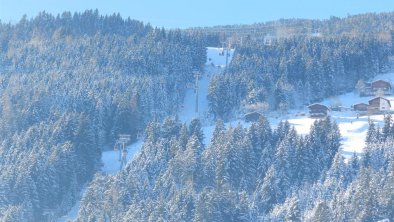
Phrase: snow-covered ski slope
x=110 y=158
x=72 y=214
x=216 y=56
x=215 y=65
x=111 y=165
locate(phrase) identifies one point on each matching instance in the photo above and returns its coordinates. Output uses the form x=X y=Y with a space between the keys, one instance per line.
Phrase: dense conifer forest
x=71 y=83
x=248 y=174
x=296 y=71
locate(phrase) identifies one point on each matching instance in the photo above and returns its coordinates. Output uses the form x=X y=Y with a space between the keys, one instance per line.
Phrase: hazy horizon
x=181 y=14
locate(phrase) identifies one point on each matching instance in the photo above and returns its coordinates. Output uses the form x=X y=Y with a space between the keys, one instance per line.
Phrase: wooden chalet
x=376 y=86
x=378 y=105
x=381 y=85
x=252 y=116
x=318 y=110
x=362 y=107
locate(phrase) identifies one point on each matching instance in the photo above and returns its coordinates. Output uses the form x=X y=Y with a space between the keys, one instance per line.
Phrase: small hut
x=252 y=116
x=362 y=107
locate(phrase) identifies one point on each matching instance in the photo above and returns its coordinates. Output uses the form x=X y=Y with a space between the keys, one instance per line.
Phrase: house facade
x=379 y=105
x=318 y=110
x=361 y=107
x=376 y=87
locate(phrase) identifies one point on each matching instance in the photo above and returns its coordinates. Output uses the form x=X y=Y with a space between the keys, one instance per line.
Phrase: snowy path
x=72 y=214
x=111 y=165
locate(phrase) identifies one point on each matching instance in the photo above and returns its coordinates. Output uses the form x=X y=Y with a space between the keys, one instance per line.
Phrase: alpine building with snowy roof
x=379 y=105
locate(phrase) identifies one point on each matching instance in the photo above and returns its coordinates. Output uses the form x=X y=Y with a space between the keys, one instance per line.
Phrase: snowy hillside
x=216 y=63
x=110 y=158
x=111 y=165
x=72 y=83
x=353 y=129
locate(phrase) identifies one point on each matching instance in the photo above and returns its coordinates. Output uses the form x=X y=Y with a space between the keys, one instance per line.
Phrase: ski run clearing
x=352 y=129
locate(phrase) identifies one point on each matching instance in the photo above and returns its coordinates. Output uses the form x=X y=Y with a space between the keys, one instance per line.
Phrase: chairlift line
x=121 y=142
x=197 y=76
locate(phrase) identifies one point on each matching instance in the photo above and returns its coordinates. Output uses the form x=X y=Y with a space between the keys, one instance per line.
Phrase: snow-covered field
x=353 y=129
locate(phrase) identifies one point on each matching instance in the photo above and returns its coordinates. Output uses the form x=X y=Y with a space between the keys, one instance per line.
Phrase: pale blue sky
x=184 y=13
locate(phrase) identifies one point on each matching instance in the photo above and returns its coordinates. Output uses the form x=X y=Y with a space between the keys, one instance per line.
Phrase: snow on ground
x=215 y=65
x=111 y=165
x=216 y=56
x=110 y=158
x=188 y=109
x=352 y=129
x=72 y=214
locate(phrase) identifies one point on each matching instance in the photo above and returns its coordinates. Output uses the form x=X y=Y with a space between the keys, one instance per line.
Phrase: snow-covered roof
x=316 y=105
